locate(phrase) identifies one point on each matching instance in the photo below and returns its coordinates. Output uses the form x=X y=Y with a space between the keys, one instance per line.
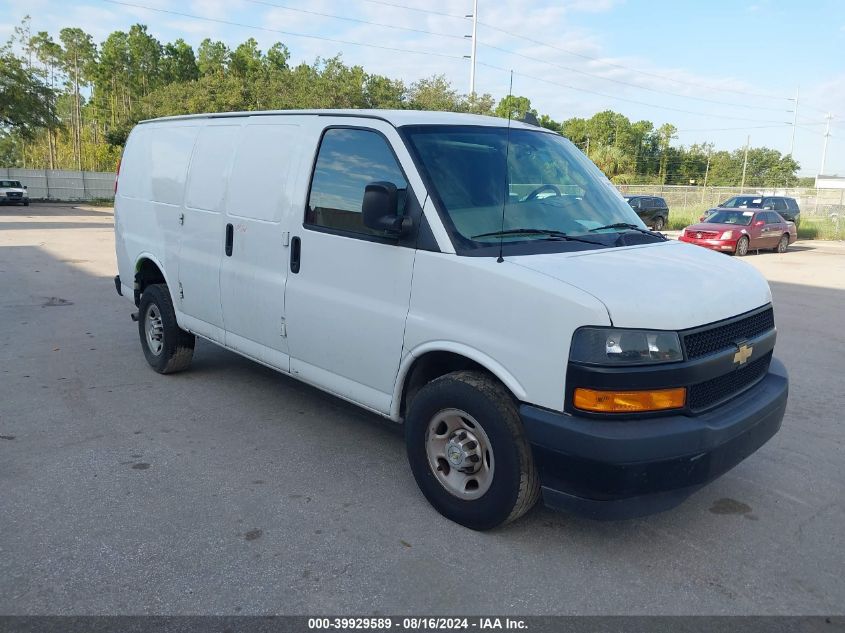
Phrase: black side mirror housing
x=381 y=209
x=25 y=187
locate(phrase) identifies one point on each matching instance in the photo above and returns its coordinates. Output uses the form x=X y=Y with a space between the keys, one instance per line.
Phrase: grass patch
x=821 y=228
x=682 y=218
x=100 y=202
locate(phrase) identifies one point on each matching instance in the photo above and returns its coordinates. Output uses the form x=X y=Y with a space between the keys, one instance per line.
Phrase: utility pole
x=794 y=122
x=824 y=147
x=474 y=37
x=745 y=164
x=706 y=173
x=588 y=147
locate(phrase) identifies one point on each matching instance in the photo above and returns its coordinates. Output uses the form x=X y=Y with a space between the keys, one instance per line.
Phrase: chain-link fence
x=812 y=202
x=63 y=185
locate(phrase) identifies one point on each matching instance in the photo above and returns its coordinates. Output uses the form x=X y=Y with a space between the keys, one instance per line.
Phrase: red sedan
x=739 y=230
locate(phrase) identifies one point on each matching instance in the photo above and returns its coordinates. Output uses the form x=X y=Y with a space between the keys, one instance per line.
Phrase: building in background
x=830 y=182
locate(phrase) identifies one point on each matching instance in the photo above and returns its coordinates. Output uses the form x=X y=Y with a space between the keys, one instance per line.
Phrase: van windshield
x=5 y=184
x=548 y=189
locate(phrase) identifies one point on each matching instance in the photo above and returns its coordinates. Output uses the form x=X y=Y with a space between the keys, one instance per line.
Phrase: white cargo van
x=479 y=281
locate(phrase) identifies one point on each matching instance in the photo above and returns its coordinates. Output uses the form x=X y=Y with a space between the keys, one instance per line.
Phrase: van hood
x=666 y=286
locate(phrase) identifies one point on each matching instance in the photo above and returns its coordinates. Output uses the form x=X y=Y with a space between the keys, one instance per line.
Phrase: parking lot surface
x=230 y=488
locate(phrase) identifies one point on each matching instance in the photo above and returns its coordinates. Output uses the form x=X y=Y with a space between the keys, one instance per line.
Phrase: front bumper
x=615 y=469
x=725 y=246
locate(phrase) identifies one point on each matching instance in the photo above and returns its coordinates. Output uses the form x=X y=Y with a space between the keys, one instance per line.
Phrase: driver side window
x=347 y=161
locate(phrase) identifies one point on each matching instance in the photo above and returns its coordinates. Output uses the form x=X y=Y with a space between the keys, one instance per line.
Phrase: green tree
x=79 y=58
x=614 y=162
x=246 y=60
x=514 y=107
x=26 y=103
x=144 y=56
x=383 y=92
x=478 y=104
x=277 y=57
x=112 y=78
x=211 y=57
x=178 y=62
x=433 y=93
x=666 y=133
x=49 y=54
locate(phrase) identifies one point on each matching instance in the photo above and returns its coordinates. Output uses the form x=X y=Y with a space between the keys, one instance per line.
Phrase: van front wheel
x=167 y=348
x=468 y=451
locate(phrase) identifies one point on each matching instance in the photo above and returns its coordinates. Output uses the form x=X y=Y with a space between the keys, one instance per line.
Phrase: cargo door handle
x=230 y=236
x=295 y=250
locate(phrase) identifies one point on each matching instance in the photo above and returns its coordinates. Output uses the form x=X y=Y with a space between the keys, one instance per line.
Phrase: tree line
x=69 y=103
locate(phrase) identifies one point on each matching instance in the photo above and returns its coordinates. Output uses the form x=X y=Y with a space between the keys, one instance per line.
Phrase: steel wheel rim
x=154 y=329
x=743 y=246
x=783 y=244
x=459 y=454
x=658 y=225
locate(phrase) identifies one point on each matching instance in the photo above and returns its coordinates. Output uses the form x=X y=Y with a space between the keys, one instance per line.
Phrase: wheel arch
x=148 y=270
x=434 y=359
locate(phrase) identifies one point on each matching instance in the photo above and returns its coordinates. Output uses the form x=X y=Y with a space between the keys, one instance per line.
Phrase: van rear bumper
x=622 y=469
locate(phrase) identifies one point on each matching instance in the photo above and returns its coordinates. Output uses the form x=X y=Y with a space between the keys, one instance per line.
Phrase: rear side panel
x=149 y=197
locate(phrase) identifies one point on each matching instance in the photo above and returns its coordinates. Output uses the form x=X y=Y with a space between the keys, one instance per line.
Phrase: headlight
x=727 y=235
x=613 y=346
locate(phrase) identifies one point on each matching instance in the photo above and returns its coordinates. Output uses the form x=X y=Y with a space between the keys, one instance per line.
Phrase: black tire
x=26 y=204
x=783 y=244
x=515 y=486
x=176 y=345
x=742 y=246
x=659 y=223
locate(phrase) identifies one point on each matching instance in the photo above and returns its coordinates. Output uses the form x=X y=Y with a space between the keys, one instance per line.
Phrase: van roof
x=396 y=118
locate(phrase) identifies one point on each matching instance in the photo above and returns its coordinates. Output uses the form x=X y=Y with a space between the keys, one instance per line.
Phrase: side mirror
x=25 y=187
x=381 y=209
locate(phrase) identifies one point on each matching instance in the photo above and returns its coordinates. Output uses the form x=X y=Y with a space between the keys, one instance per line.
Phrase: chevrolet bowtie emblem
x=743 y=353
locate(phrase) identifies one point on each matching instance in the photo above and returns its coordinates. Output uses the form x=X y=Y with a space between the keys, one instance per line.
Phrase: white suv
x=478 y=281
x=13 y=192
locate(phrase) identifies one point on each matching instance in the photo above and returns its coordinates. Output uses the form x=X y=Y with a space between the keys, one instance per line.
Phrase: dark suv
x=787 y=208
x=651 y=209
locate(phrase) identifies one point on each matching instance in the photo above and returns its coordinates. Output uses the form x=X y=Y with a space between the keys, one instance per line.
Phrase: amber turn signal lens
x=629 y=401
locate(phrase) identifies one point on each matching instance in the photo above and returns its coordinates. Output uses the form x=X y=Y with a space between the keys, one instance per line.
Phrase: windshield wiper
x=553 y=235
x=632 y=227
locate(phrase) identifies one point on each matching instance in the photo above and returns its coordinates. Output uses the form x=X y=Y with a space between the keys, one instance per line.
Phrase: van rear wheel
x=468 y=451
x=167 y=347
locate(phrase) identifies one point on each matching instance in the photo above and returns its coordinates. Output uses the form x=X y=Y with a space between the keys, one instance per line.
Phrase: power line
x=628 y=68
x=628 y=83
x=359 y=21
x=730 y=129
x=281 y=32
x=617 y=98
x=402 y=6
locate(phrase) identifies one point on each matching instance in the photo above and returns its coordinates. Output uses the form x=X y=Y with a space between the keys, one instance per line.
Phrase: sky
x=719 y=70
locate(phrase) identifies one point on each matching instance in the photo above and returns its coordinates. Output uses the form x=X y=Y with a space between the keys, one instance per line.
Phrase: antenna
x=507 y=184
